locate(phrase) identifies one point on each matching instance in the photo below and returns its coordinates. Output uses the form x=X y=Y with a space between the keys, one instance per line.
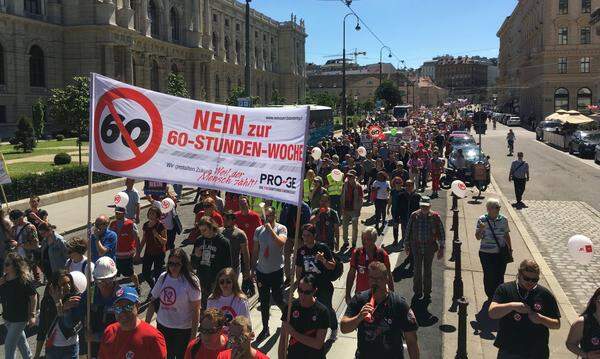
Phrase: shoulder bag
x=505 y=251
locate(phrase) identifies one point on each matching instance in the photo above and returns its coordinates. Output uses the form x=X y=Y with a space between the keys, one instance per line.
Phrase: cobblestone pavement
x=551 y=224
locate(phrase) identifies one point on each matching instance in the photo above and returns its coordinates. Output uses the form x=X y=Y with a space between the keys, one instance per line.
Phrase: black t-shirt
x=590 y=340
x=517 y=334
x=15 y=300
x=306 y=321
x=383 y=337
x=326 y=222
x=306 y=259
x=216 y=255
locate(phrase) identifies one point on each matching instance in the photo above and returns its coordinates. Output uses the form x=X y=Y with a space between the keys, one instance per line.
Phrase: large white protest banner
x=4 y=177
x=147 y=135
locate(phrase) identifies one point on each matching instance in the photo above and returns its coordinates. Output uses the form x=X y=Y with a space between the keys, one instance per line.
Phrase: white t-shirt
x=382 y=189
x=78 y=266
x=230 y=306
x=270 y=257
x=176 y=296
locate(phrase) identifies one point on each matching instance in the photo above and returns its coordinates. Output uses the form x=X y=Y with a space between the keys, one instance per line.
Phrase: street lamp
x=247 y=87
x=357 y=28
x=380 y=61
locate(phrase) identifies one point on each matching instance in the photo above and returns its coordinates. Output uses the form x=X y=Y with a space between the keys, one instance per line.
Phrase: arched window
x=153 y=16
x=174 y=68
x=215 y=44
x=238 y=51
x=175 y=32
x=584 y=99
x=32 y=7
x=561 y=99
x=228 y=86
x=154 y=76
x=1 y=65
x=217 y=89
x=37 y=73
x=227 y=53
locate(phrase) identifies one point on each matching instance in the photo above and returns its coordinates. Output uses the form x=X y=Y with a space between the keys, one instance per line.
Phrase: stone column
x=109 y=60
x=207 y=26
x=129 y=66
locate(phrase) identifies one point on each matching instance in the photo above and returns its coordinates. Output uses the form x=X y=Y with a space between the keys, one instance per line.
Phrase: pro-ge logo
x=517 y=317
x=278 y=181
x=129 y=355
x=595 y=341
x=537 y=306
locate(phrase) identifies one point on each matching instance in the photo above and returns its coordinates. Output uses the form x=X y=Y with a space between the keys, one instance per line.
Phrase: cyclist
x=510 y=139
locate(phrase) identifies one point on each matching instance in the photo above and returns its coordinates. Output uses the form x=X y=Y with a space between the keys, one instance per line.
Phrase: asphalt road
x=555 y=175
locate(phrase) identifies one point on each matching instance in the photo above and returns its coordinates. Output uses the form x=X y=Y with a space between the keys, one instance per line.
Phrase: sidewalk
x=479 y=338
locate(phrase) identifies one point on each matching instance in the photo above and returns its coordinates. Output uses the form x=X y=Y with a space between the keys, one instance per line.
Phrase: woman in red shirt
x=211 y=340
x=241 y=336
x=155 y=239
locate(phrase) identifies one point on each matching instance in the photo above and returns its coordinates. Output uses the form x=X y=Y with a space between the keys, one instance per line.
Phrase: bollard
x=454 y=230
x=454 y=202
x=457 y=287
x=461 y=350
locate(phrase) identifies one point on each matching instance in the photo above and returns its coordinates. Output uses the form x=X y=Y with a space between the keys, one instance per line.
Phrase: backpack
x=338 y=270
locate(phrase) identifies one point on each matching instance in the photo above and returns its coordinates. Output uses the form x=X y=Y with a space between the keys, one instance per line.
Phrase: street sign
x=244 y=102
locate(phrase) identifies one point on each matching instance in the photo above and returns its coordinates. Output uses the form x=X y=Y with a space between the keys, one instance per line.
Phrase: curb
x=555 y=287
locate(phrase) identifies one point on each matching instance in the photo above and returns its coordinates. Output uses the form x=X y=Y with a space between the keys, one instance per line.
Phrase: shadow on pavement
x=483 y=325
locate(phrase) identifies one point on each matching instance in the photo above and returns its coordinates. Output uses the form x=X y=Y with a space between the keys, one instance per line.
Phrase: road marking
x=553 y=283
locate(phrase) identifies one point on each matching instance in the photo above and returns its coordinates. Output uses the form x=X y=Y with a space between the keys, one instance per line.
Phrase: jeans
x=335 y=202
x=269 y=284
x=171 y=234
x=324 y=295
x=347 y=217
x=178 y=188
x=494 y=268
x=422 y=270
x=68 y=352
x=151 y=275
x=176 y=340
x=380 y=205
x=519 y=188
x=15 y=337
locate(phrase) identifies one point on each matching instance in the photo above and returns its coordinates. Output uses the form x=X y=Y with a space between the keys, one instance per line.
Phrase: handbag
x=505 y=251
x=177 y=225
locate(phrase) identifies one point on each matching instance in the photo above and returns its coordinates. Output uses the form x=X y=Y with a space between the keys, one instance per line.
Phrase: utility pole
x=247 y=86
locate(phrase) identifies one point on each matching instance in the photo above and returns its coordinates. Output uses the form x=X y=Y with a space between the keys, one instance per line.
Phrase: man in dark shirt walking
x=519 y=174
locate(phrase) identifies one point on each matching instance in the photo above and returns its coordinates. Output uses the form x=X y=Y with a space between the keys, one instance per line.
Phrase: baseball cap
x=425 y=201
x=127 y=293
x=119 y=210
x=352 y=173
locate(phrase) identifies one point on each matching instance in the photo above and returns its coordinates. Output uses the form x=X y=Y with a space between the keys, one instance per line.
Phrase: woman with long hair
x=584 y=336
x=227 y=295
x=177 y=291
x=155 y=240
x=18 y=303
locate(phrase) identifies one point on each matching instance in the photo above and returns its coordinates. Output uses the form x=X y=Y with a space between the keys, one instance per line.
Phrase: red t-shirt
x=215 y=216
x=144 y=342
x=126 y=235
x=153 y=246
x=227 y=355
x=360 y=262
x=248 y=223
x=202 y=352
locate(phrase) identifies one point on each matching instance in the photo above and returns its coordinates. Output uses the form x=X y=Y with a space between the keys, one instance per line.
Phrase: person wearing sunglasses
x=526 y=311
x=584 y=336
x=131 y=337
x=240 y=340
x=307 y=325
x=383 y=319
x=211 y=340
x=228 y=297
x=177 y=294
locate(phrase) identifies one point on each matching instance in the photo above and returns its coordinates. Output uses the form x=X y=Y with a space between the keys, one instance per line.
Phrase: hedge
x=58 y=179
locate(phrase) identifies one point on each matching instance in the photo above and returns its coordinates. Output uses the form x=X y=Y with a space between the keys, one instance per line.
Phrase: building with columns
x=549 y=58
x=45 y=43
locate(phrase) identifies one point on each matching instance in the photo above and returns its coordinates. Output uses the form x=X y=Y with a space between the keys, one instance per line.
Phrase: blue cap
x=127 y=293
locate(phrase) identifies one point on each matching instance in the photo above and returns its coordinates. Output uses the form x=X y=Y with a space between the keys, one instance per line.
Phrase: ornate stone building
x=549 y=58
x=45 y=43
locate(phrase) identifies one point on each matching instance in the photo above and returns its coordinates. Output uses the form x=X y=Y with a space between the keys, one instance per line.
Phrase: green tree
x=236 y=92
x=177 y=86
x=321 y=99
x=25 y=135
x=368 y=105
x=70 y=107
x=39 y=109
x=277 y=99
x=388 y=92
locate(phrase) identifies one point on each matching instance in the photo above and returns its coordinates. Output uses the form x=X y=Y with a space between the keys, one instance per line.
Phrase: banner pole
x=88 y=273
x=5 y=166
x=4 y=198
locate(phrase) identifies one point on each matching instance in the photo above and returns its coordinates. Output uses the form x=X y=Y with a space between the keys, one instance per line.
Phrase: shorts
x=124 y=266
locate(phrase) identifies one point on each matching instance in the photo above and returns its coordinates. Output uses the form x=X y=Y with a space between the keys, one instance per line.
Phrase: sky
x=415 y=30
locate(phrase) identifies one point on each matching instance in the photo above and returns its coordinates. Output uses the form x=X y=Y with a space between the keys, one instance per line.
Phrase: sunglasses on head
x=125 y=308
x=529 y=279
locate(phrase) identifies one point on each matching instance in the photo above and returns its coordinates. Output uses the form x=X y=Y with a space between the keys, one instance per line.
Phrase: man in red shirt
x=240 y=337
x=209 y=208
x=247 y=220
x=131 y=337
x=128 y=244
x=359 y=263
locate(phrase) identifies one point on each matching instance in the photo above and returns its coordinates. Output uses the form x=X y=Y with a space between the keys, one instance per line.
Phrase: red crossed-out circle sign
x=140 y=158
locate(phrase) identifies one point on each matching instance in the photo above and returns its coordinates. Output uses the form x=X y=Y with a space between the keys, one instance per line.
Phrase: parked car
x=584 y=143
x=513 y=121
x=550 y=125
x=460 y=139
x=597 y=154
x=472 y=154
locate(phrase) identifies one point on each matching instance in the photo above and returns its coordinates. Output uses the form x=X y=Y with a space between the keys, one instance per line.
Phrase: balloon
x=316 y=153
x=459 y=189
x=394 y=131
x=121 y=199
x=79 y=281
x=362 y=152
x=581 y=249
x=337 y=175
x=167 y=205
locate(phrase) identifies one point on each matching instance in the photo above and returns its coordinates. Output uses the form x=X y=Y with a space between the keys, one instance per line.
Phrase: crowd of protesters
x=200 y=300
